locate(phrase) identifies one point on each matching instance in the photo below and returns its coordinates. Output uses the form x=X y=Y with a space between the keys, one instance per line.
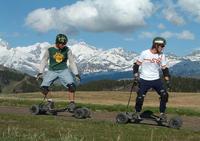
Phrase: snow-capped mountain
x=194 y=56
x=89 y=59
x=24 y=59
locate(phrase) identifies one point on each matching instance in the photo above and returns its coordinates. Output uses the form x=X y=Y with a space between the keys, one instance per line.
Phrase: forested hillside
x=12 y=81
x=178 y=84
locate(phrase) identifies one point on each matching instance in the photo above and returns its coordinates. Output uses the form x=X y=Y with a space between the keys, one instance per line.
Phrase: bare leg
x=49 y=96
x=71 y=105
x=71 y=96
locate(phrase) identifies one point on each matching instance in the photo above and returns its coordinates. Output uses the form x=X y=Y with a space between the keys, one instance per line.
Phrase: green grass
x=97 y=107
x=54 y=128
x=16 y=127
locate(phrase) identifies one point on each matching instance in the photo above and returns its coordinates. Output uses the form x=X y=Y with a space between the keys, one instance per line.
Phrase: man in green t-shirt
x=57 y=57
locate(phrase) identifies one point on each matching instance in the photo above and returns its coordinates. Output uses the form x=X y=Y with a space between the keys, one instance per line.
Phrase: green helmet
x=61 y=39
x=159 y=40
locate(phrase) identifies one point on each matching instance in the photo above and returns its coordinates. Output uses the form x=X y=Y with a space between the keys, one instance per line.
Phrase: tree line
x=18 y=82
x=178 y=84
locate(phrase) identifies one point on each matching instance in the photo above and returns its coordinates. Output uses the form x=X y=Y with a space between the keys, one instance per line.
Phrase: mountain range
x=93 y=61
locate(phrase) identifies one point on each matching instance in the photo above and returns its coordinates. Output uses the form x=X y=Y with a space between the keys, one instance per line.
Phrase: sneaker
x=50 y=104
x=71 y=106
x=137 y=116
x=163 y=117
x=49 y=100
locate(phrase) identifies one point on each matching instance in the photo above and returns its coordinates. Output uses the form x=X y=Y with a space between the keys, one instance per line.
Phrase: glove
x=78 y=78
x=136 y=79
x=39 y=76
x=168 y=84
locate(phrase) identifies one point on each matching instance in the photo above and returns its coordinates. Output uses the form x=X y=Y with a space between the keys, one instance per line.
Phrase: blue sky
x=130 y=24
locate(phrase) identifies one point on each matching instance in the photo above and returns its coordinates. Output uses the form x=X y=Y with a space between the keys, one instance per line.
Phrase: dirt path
x=192 y=123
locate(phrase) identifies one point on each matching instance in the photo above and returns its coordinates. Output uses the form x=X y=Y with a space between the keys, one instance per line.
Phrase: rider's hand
x=136 y=78
x=78 y=77
x=39 y=76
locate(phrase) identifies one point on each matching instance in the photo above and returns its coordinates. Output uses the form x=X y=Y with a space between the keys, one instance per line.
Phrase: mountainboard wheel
x=122 y=118
x=35 y=109
x=87 y=112
x=43 y=109
x=54 y=113
x=79 y=113
x=175 y=122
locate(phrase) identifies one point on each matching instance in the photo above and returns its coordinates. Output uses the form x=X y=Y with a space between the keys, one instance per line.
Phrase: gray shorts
x=64 y=76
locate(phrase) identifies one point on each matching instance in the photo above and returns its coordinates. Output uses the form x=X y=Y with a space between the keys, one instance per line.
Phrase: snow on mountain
x=194 y=56
x=89 y=59
x=187 y=68
x=3 y=44
x=173 y=59
x=25 y=59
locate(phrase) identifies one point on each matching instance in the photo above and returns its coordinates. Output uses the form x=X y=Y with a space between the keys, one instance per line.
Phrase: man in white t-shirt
x=150 y=62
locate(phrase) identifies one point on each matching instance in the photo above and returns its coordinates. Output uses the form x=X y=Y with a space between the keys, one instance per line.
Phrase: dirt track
x=192 y=123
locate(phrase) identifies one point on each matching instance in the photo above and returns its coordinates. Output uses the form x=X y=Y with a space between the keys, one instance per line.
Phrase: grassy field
x=19 y=127
x=184 y=103
x=114 y=97
x=49 y=128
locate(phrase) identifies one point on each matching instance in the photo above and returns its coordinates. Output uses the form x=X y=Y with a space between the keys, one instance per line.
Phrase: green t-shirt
x=58 y=58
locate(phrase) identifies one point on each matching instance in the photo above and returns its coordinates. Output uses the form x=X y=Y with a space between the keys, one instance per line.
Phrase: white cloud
x=92 y=15
x=147 y=35
x=187 y=35
x=161 y=26
x=191 y=6
x=184 y=35
x=129 y=39
x=167 y=34
x=171 y=15
x=42 y=19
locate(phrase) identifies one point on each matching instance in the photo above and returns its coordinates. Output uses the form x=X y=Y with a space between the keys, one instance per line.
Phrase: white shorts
x=64 y=76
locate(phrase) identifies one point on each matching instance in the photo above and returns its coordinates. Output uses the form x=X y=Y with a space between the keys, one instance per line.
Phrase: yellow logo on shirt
x=58 y=57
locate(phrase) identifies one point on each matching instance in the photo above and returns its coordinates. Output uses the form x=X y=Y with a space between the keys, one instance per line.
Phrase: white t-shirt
x=151 y=64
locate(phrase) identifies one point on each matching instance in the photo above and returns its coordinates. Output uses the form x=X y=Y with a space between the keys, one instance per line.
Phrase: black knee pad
x=71 y=87
x=44 y=90
x=139 y=99
x=164 y=96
